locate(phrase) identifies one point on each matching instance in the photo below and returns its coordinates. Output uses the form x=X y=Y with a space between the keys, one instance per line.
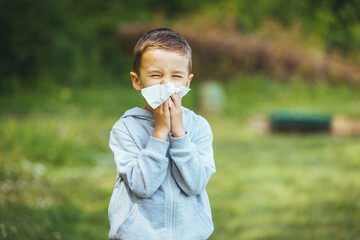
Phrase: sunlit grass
x=57 y=172
x=285 y=187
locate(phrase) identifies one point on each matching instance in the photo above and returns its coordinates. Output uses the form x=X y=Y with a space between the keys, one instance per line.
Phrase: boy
x=164 y=156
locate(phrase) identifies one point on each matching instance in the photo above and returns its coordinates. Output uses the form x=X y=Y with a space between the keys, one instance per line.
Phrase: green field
x=57 y=172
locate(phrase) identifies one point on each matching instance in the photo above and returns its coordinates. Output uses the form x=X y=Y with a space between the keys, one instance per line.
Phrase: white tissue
x=157 y=94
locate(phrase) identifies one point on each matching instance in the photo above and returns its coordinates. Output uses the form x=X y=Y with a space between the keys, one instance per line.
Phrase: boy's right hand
x=162 y=121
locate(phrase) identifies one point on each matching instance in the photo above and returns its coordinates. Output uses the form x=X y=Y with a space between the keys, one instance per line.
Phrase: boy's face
x=159 y=66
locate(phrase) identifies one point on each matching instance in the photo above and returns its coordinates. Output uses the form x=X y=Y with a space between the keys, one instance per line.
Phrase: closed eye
x=155 y=75
x=177 y=76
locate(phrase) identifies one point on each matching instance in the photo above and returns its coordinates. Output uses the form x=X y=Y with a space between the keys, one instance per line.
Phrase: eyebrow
x=154 y=71
x=179 y=72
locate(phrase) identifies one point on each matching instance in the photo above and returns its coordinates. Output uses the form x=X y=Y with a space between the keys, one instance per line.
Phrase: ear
x=189 y=80
x=135 y=81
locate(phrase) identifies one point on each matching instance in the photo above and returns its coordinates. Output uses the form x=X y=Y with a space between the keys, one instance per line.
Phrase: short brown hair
x=162 y=38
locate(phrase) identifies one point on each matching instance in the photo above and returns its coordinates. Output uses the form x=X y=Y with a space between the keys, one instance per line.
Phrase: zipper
x=171 y=204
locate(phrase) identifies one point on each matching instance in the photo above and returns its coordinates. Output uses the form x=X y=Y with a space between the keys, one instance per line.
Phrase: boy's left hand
x=177 y=126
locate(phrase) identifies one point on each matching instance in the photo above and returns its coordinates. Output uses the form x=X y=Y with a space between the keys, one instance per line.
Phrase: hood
x=138 y=113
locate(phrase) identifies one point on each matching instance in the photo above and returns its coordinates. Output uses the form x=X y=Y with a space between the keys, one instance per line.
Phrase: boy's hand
x=177 y=126
x=162 y=121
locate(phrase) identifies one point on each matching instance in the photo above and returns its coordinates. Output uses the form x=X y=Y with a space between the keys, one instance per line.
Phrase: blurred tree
x=31 y=33
x=341 y=31
x=73 y=42
x=337 y=22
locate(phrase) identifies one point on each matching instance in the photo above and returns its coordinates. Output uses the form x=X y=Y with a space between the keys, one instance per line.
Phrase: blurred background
x=279 y=82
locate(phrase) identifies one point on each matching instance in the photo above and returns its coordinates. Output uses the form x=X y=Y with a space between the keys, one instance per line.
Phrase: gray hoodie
x=160 y=187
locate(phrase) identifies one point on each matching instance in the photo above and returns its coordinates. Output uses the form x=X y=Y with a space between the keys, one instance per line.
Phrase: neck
x=147 y=107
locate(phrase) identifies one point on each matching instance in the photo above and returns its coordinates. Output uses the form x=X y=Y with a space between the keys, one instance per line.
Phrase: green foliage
x=64 y=42
x=30 y=44
x=256 y=95
x=45 y=43
x=337 y=22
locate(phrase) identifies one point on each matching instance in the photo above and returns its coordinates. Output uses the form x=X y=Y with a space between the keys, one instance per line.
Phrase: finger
x=166 y=105
x=171 y=103
x=176 y=99
x=158 y=109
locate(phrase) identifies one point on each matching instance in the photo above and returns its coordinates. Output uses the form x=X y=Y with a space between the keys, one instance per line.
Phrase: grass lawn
x=57 y=172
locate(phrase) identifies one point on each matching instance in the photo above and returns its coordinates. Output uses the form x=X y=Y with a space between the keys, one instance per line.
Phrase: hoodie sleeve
x=194 y=160
x=142 y=169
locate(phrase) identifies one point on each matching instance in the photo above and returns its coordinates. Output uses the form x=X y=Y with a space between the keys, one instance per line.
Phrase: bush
x=220 y=53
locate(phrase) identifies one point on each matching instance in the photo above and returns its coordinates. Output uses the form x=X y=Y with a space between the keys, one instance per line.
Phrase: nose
x=165 y=80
